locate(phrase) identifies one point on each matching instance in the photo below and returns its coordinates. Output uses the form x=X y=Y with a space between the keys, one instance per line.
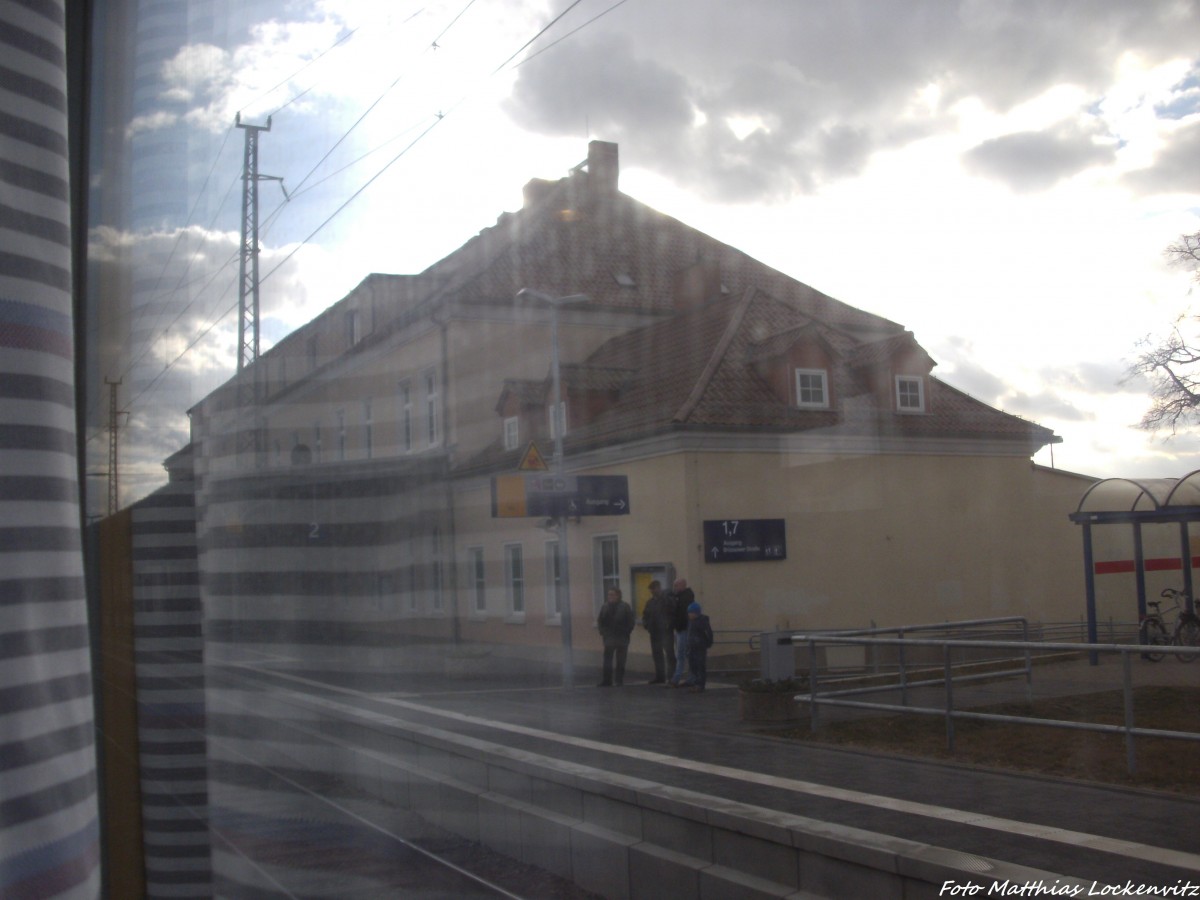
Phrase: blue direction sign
x=576 y=495
x=744 y=540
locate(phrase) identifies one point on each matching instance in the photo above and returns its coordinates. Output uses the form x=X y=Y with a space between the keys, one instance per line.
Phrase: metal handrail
x=815 y=699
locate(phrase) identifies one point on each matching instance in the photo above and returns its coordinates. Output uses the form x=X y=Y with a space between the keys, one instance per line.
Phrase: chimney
x=536 y=190
x=602 y=169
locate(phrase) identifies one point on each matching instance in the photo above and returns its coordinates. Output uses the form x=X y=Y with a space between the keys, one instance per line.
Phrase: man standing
x=615 y=623
x=657 y=619
x=684 y=597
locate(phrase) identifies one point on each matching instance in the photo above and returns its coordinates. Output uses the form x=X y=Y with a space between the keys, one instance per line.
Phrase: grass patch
x=1162 y=763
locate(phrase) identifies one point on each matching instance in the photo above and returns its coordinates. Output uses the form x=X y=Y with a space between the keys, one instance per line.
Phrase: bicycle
x=1154 y=631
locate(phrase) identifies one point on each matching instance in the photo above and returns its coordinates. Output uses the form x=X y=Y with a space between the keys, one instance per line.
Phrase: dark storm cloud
x=830 y=84
x=1036 y=160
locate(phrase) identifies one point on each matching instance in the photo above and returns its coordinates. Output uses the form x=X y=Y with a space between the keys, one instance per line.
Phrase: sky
x=1002 y=178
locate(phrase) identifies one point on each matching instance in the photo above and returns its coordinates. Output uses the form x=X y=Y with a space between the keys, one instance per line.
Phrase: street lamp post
x=556 y=416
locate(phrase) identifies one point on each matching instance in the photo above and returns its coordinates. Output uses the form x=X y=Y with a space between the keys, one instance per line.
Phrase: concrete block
x=615 y=815
x=722 y=883
x=500 y=824
x=546 y=840
x=433 y=759
x=366 y=773
x=826 y=876
x=673 y=802
x=561 y=799
x=600 y=860
x=393 y=784
x=679 y=834
x=502 y=780
x=755 y=856
x=469 y=771
x=423 y=795
x=459 y=809
x=852 y=845
x=659 y=874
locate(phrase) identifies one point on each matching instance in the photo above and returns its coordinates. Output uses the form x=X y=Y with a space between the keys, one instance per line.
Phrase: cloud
x=151 y=122
x=1174 y=169
x=1036 y=160
x=1045 y=405
x=834 y=85
x=166 y=325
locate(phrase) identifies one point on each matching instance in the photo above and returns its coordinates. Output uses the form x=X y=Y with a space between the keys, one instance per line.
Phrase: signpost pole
x=556 y=416
x=564 y=572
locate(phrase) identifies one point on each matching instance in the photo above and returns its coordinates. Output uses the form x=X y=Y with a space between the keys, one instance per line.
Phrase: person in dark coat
x=616 y=624
x=658 y=620
x=684 y=597
x=699 y=639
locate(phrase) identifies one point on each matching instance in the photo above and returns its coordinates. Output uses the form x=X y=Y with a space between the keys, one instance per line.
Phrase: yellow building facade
x=356 y=492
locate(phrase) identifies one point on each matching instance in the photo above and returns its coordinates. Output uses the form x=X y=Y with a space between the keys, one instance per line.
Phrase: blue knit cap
x=694 y=608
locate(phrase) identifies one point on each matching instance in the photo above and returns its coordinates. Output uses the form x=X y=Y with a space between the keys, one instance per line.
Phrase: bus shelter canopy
x=1132 y=503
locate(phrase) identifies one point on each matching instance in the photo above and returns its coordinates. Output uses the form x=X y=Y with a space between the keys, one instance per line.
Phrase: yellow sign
x=533 y=461
x=508 y=495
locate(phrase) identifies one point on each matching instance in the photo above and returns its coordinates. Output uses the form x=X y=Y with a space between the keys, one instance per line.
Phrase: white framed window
x=353 y=327
x=408 y=586
x=404 y=398
x=812 y=388
x=368 y=430
x=435 y=570
x=477 y=579
x=341 y=434
x=606 y=565
x=562 y=415
x=553 y=583
x=512 y=433
x=514 y=581
x=910 y=393
x=432 y=432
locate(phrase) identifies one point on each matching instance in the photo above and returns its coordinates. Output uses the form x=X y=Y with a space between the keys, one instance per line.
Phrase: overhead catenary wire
x=298 y=188
x=559 y=40
x=440 y=116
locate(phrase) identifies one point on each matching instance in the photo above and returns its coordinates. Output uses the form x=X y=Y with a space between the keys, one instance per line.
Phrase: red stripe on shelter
x=1162 y=564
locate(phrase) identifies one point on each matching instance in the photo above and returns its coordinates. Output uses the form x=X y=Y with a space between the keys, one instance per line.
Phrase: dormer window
x=910 y=393
x=812 y=389
x=512 y=433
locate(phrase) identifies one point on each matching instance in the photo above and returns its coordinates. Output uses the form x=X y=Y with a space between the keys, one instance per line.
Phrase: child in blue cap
x=699 y=639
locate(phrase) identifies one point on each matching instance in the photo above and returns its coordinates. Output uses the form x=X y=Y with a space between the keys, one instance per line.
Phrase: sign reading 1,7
x=744 y=540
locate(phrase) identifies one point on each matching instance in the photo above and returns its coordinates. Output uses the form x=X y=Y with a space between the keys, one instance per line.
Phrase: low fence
x=823 y=689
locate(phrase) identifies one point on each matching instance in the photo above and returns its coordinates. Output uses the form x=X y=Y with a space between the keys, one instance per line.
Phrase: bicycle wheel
x=1154 y=636
x=1187 y=635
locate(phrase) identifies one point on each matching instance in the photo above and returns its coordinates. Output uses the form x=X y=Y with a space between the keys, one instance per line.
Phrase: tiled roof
x=594 y=378
x=697 y=367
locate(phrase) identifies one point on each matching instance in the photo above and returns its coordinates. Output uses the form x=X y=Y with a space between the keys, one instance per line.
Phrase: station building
x=353 y=504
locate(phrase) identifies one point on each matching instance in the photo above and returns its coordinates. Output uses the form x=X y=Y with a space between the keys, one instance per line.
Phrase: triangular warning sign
x=533 y=461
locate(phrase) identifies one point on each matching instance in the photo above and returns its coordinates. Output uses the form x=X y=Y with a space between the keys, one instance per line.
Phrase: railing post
x=873 y=650
x=903 y=672
x=1130 y=752
x=813 y=706
x=949 y=700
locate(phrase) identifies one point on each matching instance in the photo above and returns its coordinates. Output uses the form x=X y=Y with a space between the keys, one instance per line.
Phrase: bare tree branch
x=1171 y=365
